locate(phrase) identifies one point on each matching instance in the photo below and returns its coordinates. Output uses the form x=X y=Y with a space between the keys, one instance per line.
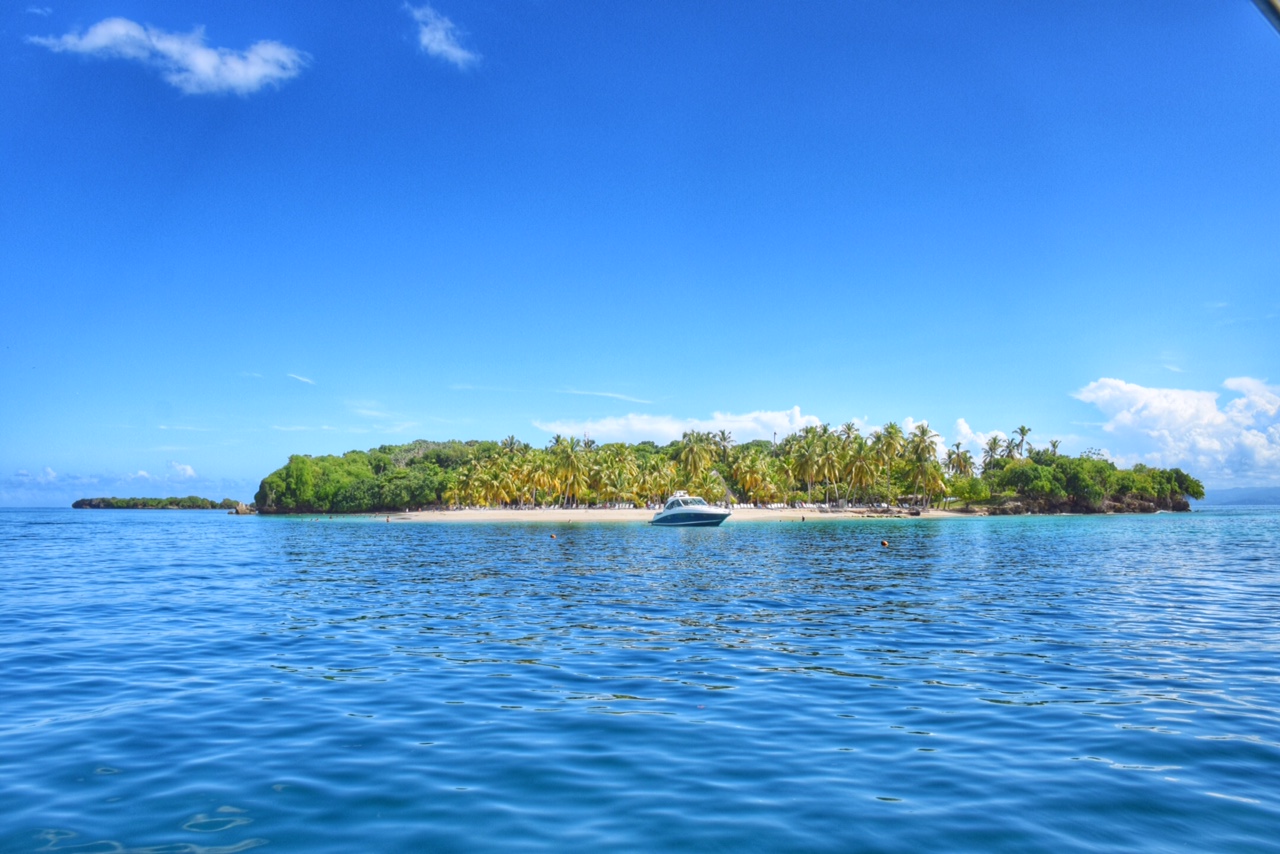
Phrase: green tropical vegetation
x=840 y=466
x=191 y=502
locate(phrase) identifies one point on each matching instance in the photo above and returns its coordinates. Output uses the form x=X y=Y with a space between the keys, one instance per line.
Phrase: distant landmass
x=815 y=465
x=191 y=502
x=1242 y=495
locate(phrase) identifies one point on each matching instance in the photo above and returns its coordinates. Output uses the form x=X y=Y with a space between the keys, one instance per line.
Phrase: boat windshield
x=697 y=502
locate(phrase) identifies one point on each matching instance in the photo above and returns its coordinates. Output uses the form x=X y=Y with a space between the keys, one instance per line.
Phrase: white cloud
x=664 y=428
x=185 y=472
x=42 y=11
x=611 y=394
x=438 y=37
x=184 y=59
x=1239 y=443
x=301 y=379
x=141 y=475
x=972 y=439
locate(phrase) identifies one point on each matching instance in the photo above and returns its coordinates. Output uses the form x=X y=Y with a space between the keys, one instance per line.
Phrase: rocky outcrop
x=1119 y=504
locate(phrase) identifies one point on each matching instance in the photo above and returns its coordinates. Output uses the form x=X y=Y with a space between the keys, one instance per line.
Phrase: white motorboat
x=687 y=511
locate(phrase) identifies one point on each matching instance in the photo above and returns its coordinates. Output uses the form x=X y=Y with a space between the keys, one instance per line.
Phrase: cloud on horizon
x=184 y=60
x=761 y=424
x=438 y=37
x=1238 y=443
x=48 y=488
x=185 y=472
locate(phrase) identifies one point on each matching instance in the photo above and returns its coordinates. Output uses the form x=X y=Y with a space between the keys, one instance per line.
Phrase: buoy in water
x=553 y=536
x=884 y=543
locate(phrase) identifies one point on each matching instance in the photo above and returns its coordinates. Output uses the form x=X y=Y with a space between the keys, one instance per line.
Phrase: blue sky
x=235 y=231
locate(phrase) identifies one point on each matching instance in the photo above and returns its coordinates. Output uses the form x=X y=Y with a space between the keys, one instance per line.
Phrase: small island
x=819 y=467
x=191 y=502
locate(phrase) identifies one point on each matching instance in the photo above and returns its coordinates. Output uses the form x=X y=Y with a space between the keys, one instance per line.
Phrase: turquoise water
x=197 y=682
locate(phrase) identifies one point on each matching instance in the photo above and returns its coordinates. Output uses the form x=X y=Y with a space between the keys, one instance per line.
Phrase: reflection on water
x=197 y=682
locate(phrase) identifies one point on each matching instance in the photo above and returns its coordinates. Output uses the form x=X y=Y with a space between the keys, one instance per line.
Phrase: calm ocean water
x=197 y=682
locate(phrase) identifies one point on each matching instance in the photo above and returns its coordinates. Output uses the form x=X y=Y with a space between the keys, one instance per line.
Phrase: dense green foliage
x=392 y=477
x=191 y=502
x=817 y=464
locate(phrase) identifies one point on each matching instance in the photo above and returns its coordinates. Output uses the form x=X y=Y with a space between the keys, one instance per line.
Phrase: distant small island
x=191 y=502
x=817 y=466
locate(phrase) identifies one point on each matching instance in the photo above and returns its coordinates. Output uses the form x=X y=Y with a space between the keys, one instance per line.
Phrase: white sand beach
x=561 y=515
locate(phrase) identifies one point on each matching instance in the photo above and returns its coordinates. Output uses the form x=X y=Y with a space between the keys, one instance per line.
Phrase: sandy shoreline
x=560 y=515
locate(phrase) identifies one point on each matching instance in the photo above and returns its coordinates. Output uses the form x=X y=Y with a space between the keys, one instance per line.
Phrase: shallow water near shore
x=183 y=681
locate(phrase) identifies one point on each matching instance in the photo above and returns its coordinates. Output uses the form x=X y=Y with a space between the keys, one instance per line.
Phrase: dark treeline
x=191 y=502
x=816 y=464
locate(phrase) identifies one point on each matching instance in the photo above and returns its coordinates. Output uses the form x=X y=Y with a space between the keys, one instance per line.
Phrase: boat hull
x=690 y=520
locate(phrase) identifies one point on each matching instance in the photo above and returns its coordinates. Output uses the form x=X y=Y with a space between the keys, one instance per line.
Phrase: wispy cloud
x=183 y=59
x=48 y=477
x=438 y=37
x=470 y=387
x=251 y=374
x=611 y=394
x=184 y=428
x=301 y=379
x=42 y=11
x=761 y=424
x=1173 y=368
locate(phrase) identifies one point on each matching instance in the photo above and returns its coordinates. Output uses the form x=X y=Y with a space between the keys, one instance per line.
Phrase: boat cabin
x=684 y=501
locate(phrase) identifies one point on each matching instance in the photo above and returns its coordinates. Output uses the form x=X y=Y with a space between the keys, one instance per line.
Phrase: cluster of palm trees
x=816 y=463
x=569 y=471
x=1015 y=447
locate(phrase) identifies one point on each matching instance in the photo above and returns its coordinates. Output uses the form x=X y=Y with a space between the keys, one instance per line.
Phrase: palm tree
x=923 y=449
x=991 y=451
x=861 y=466
x=571 y=465
x=1009 y=450
x=708 y=485
x=695 y=453
x=931 y=483
x=959 y=463
x=1022 y=437
x=724 y=441
x=1053 y=446
x=923 y=442
x=888 y=444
